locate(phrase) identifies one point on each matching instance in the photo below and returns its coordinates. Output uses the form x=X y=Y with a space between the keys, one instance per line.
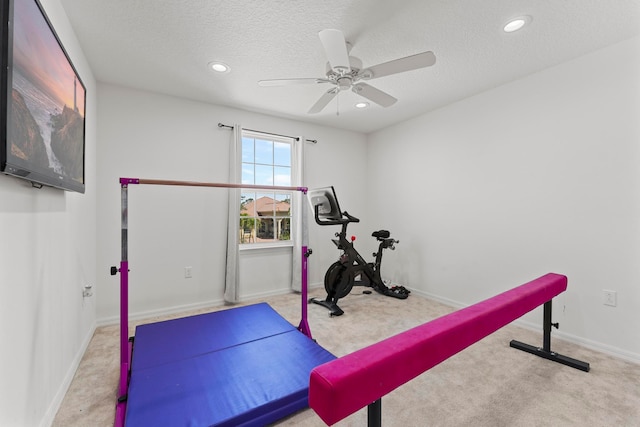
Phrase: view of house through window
x=265 y=216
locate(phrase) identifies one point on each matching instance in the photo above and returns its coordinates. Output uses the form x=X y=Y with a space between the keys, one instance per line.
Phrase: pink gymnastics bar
x=127 y=181
x=343 y=386
x=126 y=345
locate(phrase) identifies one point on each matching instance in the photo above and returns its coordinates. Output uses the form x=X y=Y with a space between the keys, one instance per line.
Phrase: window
x=265 y=216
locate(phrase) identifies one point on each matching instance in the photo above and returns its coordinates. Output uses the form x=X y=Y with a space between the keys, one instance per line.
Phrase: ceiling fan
x=345 y=72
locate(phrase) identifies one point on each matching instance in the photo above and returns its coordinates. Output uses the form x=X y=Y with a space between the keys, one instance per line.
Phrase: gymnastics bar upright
x=126 y=345
x=339 y=388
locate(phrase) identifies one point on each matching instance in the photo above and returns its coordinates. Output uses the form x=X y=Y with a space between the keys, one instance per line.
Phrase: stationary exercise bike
x=351 y=269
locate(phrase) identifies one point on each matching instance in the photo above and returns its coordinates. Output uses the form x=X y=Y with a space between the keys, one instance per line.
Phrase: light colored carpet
x=488 y=384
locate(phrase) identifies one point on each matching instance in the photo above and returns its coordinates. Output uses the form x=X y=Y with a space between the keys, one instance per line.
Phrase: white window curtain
x=232 y=275
x=298 y=212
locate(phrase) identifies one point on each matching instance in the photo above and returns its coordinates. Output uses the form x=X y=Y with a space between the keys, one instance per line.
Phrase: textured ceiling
x=165 y=45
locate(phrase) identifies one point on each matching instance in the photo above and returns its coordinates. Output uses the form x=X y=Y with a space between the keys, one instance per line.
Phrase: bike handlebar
x=351 y=218
x=346 y=219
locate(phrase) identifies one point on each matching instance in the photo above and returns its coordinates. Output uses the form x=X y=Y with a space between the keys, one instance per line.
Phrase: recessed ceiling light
x=219 y=67
x=362 y=104
x=516 y=24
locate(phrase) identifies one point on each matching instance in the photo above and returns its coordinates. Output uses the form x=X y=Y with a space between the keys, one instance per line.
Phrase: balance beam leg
x=550 y=355
x=374 y=414
x=545 y=350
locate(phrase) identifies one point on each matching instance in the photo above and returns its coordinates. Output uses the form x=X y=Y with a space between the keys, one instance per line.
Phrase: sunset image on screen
x=48 y=98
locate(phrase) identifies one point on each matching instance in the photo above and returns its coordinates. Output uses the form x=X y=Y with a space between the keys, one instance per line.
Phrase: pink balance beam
x=343 y=386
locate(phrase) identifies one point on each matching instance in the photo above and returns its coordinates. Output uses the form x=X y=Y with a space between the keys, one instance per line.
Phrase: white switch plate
x=610 y=298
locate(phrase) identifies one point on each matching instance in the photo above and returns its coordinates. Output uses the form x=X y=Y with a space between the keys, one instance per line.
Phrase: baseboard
x=583 y=342
x=266 y=294
x=574 y=339
x=140 y=315
x=315 y=285
x=446 y=301
x=50 y=415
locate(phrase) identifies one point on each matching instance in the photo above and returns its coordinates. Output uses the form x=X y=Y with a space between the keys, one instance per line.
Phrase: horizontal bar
x=550 y=355
x=125 y=181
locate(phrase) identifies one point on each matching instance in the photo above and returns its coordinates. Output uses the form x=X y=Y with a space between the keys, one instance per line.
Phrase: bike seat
x=381 y=234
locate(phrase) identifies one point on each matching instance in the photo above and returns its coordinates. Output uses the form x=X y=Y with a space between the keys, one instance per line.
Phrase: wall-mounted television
x=42 y=101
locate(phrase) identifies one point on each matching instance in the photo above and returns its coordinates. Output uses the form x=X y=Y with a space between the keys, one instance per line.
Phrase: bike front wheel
x=338 y=282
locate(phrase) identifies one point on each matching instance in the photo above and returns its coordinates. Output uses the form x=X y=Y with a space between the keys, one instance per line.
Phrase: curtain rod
x=313 y=141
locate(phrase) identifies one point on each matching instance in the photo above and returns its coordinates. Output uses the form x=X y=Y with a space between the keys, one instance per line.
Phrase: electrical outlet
x=187 y=273
x=86 y=292
x=610 y=298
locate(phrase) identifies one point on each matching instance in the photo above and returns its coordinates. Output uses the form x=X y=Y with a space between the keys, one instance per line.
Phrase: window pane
x=248 y=175
x=247 y=230
x=247 y=150
x=247 y=204
x=282 y=176
x=281 y=154
x=264 y=151
x=283 y=205
x=264 y=175
x=265 y=204
x=266 y=229
x=284 y=228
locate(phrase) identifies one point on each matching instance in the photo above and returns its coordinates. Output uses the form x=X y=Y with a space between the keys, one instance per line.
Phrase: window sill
x=260 y=246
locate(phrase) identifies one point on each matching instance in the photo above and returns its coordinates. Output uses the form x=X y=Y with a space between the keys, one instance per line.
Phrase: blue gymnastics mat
x=245 y=366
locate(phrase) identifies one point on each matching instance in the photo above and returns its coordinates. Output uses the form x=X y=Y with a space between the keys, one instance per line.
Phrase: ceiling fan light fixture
x=361 y=105
x=344 y=83
x=219 y=67
x=516 y=23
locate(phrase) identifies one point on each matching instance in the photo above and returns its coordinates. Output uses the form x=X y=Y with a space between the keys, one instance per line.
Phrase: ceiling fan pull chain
x=338 y=104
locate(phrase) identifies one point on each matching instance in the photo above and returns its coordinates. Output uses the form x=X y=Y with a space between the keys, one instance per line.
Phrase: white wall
x=47 y=256
x=535 y=176
x=147 y=135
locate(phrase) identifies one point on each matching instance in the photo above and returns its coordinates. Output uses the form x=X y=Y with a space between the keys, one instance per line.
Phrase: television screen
x=42 y=100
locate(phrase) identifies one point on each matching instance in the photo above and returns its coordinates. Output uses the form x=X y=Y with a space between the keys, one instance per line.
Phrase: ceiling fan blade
x=408 y=63
x=324 y=100
x=335 y=48
x=375 y=95
x=287 y=82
